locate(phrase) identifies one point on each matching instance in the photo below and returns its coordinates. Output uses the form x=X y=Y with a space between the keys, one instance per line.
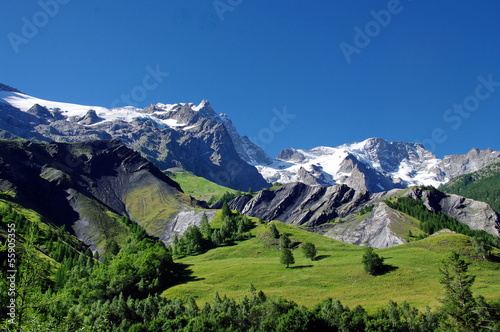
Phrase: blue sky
x=288 y=73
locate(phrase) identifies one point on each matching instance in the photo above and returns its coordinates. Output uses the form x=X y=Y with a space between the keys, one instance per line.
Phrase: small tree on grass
x=225 y=209
x=285 y=241
x=205 y=228
x=274 y=231
x=372 y=262
x=287 y=257
x=309 y=250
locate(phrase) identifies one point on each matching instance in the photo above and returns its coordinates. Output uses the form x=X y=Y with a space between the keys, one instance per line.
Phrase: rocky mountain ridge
x=374 y=164
x=335 y=211
x=189 y=136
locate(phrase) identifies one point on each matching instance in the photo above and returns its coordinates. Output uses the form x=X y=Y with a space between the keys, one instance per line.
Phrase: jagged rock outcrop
x=300 y=204
x=335 y=211
x=378 y=229
x=475 y=214
x=475 y=159
x=363 y=177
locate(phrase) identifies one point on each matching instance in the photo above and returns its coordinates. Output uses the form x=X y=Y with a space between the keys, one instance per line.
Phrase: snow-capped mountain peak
x=373 y=164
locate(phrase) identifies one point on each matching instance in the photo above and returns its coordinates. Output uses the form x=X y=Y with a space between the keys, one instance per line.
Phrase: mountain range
x=112 y=160
x=197 y=139
x=192 y=137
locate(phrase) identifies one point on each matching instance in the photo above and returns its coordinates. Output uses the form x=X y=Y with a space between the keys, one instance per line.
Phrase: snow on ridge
x=416 y=166
x=69 y=110
x=25 y=102
x=202 y=104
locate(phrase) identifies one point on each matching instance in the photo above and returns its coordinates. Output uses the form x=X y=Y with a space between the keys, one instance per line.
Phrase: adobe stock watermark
x=277 y=124
x=31 y=26
x=223 y=6
x=11 y=273
x=150 y=81
x=373 y=28
x=456 y=115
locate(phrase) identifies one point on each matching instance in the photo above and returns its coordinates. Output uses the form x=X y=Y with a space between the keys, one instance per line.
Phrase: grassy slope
x=198 y=187
x=337 y=274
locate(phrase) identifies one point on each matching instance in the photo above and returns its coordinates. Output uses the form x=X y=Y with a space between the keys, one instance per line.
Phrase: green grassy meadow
x=198 y=187
x=336 y=273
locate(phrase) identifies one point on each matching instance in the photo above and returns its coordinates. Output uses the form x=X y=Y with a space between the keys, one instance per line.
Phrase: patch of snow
x=25 y=102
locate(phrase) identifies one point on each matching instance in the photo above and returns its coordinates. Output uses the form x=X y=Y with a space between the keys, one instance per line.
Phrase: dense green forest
x=482 y=185
x=60 y=286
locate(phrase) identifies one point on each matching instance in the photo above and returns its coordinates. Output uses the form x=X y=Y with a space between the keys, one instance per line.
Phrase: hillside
x=88 y=187
x=482 y=185
x=337 y=272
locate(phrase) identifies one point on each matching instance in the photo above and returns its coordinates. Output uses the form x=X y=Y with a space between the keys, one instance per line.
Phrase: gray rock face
x=90 y=118
x=475 y=159
x=376 y=230
x=291 y=155
x=300 y=204
x=475 y=214
x=334 y=211
x=247 y=150
x=181 y=222
x=364 y=177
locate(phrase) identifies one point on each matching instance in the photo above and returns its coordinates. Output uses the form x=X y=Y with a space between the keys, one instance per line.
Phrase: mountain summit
x=373 y=164
x=193 y=137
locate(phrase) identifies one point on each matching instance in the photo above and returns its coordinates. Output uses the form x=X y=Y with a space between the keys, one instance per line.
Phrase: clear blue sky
x=400 y=82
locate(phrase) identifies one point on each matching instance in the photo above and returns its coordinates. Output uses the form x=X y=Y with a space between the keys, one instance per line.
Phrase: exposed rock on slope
x=300 y=204
x=378 y=229
x=475 y=214
x=335 y=211
x=483 y=185
x=474 y=160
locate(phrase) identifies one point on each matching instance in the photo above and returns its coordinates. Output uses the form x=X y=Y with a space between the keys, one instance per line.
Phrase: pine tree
x=309 y=250
x=274 y=231
x=205 y=228
x=285 y=241
x=225 y=209
x=372 y=262
x=458 y=302
x=287 y=257
x=481 y=247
